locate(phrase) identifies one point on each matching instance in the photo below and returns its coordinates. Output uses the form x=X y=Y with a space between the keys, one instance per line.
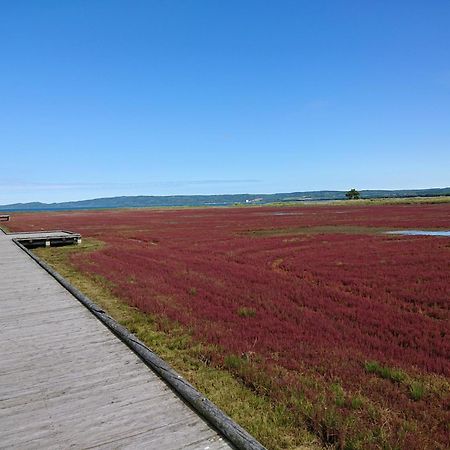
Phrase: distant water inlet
x=421 y=232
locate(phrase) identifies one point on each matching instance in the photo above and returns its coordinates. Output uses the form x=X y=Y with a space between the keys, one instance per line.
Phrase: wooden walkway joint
x=67 y=381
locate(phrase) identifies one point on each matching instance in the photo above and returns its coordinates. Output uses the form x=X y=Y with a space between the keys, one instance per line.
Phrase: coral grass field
x=314 y=306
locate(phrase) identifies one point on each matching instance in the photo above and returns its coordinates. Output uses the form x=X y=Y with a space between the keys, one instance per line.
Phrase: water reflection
x=421 y=232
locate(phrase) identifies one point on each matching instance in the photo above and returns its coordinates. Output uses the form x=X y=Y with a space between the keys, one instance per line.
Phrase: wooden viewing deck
x=66 y=381
x=32 y=239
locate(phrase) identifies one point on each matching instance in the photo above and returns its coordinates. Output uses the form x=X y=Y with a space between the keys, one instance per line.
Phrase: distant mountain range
x=142 y=201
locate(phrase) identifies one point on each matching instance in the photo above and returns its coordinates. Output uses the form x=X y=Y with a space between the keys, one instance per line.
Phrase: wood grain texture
x=66 y=381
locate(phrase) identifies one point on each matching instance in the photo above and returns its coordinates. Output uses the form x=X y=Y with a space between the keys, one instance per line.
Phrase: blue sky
x=104 y=98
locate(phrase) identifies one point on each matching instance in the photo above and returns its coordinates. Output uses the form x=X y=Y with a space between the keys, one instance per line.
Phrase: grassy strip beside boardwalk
x=272 y=424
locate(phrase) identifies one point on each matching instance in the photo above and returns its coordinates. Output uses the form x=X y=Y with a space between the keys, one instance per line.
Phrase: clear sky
x=106 y=97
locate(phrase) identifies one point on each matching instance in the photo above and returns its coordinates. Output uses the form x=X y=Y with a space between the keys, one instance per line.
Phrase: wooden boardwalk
x=66 y=381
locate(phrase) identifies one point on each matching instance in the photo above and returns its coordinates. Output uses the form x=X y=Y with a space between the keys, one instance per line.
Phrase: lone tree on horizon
x=353 y=194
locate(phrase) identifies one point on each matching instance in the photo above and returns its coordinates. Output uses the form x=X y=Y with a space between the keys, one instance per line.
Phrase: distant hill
x=217 y=200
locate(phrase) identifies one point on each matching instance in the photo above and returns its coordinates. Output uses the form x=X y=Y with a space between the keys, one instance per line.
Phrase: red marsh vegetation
x=315 y=307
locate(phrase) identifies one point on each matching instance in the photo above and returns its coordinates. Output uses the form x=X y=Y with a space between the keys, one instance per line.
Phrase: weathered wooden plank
x=67 y=381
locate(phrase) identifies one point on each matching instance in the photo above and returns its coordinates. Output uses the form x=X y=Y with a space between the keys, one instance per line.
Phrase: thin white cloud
x=16 y=186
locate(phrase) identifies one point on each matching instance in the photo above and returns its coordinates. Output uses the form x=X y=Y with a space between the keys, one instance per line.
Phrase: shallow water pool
x=421 y=232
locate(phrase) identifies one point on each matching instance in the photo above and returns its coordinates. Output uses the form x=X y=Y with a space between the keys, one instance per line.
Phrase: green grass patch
x=234 y=362
x=339 y=394
x=246 y=312
x=356 y=402
x=388 y=373
x=416 y=390
x=322 y=229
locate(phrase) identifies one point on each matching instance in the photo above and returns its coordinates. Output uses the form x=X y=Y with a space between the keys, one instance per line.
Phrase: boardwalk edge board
x=239 y=437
